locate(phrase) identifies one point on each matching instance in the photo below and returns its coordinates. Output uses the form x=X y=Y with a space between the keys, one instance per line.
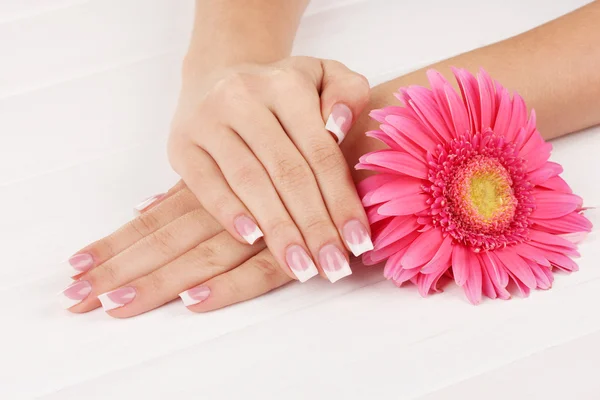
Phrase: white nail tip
x=334 y=128
x=253 y=236
x=107 y=303
x=360 y=248
x=343 y=272
x=308 y=273
x=187 y=299
x=66 y=302
x=137 y=210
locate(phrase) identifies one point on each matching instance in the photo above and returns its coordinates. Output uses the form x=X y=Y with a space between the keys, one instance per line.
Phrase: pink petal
x=402 y=186
x=468 y=88
x=393 y=266
x=462 y=262
x=376 y=256
x=517 y=266
x=534 y=142
x=374 y=216
x=549 y=196
x=550 y=239
x=551 y=210
x=396 y=230
x=374 y=182
x=406 y=205
x=518 y=118
x=575 y=237
x=487 y=287
x=414 y=130
x=557 y=183
x=497 y=273
x=422 y=249
x=537 y=158
x=496 y=269
x=573 y=222
x=426 y=282
x=404 y=142
x=438 y=84
x=379 y=115
x=441 y=259
x=473 y=285
x=542 y=174
x=561 y=261
x=460 y=118
x=542 y=279
x=529 y=130
x=424 y=100
x=532 y=253
x=386 y=139
x=396 y=161
x=504 y=113
x=487 y=99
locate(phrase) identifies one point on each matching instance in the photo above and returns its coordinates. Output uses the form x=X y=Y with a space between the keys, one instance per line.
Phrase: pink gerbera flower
x=466 y=190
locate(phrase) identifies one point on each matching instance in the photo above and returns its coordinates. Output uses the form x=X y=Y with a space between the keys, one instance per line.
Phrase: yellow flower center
x=489 y=194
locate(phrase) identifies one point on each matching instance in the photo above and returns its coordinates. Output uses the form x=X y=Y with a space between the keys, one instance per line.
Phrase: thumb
x=344 y=94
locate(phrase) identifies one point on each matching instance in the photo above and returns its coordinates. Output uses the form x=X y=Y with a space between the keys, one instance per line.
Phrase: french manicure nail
x=357 y=237
x=79 y=262
x=334 y=263
x=300 y=263
x=339 y=121
x=137 y=210
x=74 y=294
x=195 y=295
x=117 y=298
x=247 y=229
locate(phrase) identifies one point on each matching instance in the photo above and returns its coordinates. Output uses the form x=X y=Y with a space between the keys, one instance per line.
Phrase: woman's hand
x=252 y=145
x=173 y=248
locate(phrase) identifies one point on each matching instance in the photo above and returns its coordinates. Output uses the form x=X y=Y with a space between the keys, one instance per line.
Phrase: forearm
x=230 y=32
x=554 y=67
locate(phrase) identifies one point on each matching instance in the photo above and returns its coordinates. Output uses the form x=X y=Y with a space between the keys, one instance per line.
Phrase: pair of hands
x=254 y=150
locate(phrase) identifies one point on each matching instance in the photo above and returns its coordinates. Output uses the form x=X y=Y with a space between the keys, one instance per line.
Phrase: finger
x=210 y=258
x=154 y=200
x=252 y=185
x=255 y=277
x=304 y=126
x=344 y=95
x=104 y=249
x=206 y=180
x=148 y=254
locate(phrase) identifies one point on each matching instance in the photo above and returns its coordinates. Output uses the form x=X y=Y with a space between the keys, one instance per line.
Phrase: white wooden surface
x=87 y=88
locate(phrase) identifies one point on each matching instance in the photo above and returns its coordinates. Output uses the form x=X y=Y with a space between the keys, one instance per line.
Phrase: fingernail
x=357 y=237
x=247 y=229
x=334 y=263
x=195 y=295
x=74 y=294
x=117 y=298
x=137 y=210
x=339 y=121
x=80 y=262
x=300 y=263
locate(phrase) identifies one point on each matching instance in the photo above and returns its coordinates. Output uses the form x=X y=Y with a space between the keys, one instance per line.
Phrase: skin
x=177 y=244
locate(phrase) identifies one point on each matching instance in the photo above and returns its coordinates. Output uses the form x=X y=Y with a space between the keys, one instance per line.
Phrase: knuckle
x=155 y=283
x=268 y=270
x=290 y=174
x=326 y=159
x=144 y=225
x=235 y=87
x=246 y=175
x=280 y=228
x=106 y=275
x=317 y=225
x=358 y=84
x=163 y=241
x=288 y=79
